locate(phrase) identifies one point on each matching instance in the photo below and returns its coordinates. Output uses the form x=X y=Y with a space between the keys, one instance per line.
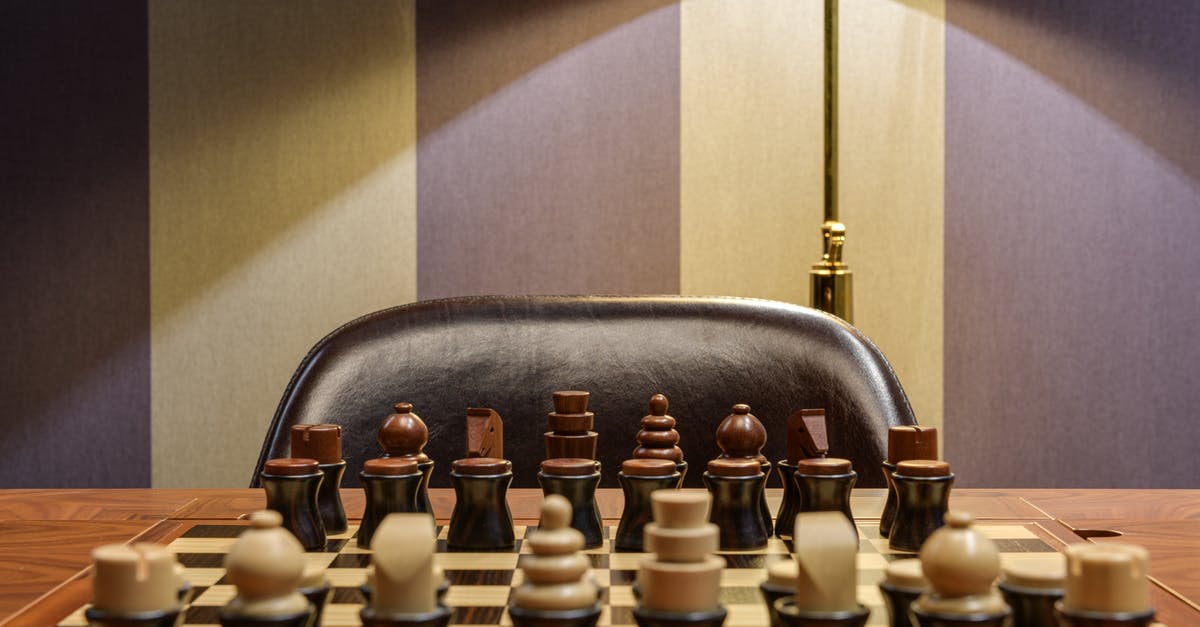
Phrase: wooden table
x=46 y=536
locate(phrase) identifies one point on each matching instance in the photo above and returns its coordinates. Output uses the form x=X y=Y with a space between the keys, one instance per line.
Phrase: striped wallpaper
x=203 y=190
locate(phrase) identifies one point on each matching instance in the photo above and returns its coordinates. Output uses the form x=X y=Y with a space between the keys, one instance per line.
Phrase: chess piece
x=485 y=433
x=806 y=439
x=824 y=484
x=903 y=581
x=391 y=486
x=826 y=549
x=680 y=584
x=481 y=520
x=314 y=585
x=576 y=479
x=324 y=444
x=904 y=443
x=961 y=565
x=265 y=565
x=736 y=485
x=780 y=582
x=292 y=484
x=570 y=433
x=403 y=434
x=1032 y=589
x=558 y=588
x=403 y=579
x=740 y=434
x=639 y=478
x=1106 y=586
x=923 y=494
x=134 y=585
x=658 y=439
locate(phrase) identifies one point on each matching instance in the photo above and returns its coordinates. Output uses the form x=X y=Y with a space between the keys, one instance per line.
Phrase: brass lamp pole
x=829 y=278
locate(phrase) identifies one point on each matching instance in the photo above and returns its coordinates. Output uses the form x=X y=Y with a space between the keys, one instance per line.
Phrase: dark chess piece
x=658 y=439
x=134 y=586
x=736 y=486
x=824 y=484
x=1031 y=590
x=324 y=444
x=391 y=486
x=923 y=495
x=961 y=565
x=741 y=435
x=481 y=520
x=902 y=583
x=265 y=565
x=904 y=443
x=403 y=434
x=570 y=433
x=558 y=590
x=639 y=478
x=1106 y=586
x=806 y=439
x=576 y=479
x=292 y=485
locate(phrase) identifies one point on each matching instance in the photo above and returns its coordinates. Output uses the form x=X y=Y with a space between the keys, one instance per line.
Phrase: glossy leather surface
x=510 y=353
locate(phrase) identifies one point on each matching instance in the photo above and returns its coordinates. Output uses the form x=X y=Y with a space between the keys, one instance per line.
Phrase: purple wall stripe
x=548 y=152
x=1072 y=259
x=74 y=238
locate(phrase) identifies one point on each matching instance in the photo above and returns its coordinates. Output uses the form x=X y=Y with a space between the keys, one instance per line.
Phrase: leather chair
x=510 y=353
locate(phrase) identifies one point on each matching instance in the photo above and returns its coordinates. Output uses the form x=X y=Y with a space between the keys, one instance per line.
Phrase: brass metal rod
x=831 y=110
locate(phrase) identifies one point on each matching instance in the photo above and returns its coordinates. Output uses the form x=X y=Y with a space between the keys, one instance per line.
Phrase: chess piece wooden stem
x=558 y=590
x=825 y=545
x=1106 y=586
x=481 y=520
x=1031 y=590
x=292 y=485
x=134 y=585
x=923 y=495
x=639 y=479
x=961 y=565
x=736 y=486
x=403 y=578
x=265 y=565
x=903 y=582
x=904 y=443
x=824 y=485
x=403 y=434
x=680 y=584
x=658 y=439
x=391 y=486
x=741 y=435
x=576 y=479
x=570 y=432
x=324 y=444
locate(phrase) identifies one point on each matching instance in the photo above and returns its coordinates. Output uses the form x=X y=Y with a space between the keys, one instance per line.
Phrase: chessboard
x=480 y=583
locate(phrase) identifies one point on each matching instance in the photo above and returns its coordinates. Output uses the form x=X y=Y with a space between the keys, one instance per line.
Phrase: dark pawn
x=741 y=435
x=639 y=478
x=391 y=486
x=923 y=493
x=651 y=618
x=790 y=616
x=481 y=520
x=439 y=617
x=291 y=485
x=737 y=486
x=324 y=444
x=403 y=434
x=785 y=521
x=586 y=617
x=824 y=484
x=576 y=479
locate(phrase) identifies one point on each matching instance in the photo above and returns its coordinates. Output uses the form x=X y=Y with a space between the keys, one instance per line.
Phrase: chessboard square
x=346 y=577
x=476 y=561
x=621 y=596
x=742 y=577
x=997 y=532
x=75 y=619
x=868 y=545
x=441 y=531
x=739 y=595
x=747 y=615
x=352 y=548
x=871 y=562
x=744 y=560
x=203 y=576
x=341 y=615
x=482 y=596
x=621 y=577
x=345 y=535
x=1023 y=545
x=346 y=594
x=350 y=560
x=1033 y=559
x=497 y=577
x=201 y=560
x=604 y=548
x=870 y=595
x=333 y=545
x=626 y=561
x=868 y=531
x=201 y=545
x=202 y=615
x=776 y=546
x=619 y=615
x=215 y=595
x=214 y=531
x=322 y=560
x=482 y=615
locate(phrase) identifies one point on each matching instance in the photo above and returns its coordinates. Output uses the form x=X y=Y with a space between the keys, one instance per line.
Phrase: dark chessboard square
x=598 y=560
x=442 y=547
x=350 y=595
x=333 y=546
x=351 y=560
x=744 y=560
x=476 y=615
x=622 y=577
x=215 y=531
x=201 y=560
x=203 y=614
x=1023 y=545
x=621 y=616
x=740 y=595
x=869 y=532
x=480 y=577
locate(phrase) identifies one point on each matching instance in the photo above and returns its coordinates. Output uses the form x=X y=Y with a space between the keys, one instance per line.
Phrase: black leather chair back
x=510 y=354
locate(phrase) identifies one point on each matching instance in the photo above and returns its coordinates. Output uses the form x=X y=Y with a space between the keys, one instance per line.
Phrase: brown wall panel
x=74 y=268
x=1072 y=265
x=548 y=153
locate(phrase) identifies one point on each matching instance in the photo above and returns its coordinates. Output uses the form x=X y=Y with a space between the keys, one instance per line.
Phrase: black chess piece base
x=1075 y=618
x=1031 y=607
x=791 y=616
x=318 y=597
x=897 y=600
x=772 y=593
x=98 y=618
x=439 y=617
x=586 y=617
x=929 y=619
x=652 y=618
x=301 y=619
